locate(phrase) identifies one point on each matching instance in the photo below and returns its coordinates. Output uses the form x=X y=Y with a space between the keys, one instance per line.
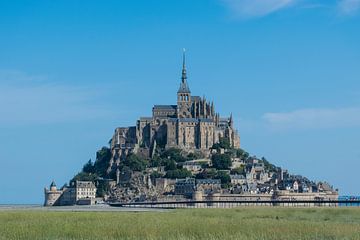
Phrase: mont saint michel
x=110 y=129
x=192 y=125
x=182 y=152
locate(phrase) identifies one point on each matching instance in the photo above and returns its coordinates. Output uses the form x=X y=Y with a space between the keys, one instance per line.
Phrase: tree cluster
x=221 y=161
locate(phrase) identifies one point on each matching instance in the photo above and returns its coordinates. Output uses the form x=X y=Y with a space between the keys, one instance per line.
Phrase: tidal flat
x=237 y=223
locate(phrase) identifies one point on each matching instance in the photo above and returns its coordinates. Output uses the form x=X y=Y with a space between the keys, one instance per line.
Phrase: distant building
x=185 y=187
x=80 y=192
x=208 y=186
x=191 y=125
x=85 y=190
x=238 y=179
x=52 y=195
x=194 y=167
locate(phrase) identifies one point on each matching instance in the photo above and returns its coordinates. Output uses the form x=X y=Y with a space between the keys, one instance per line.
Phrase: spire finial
x=184 y=77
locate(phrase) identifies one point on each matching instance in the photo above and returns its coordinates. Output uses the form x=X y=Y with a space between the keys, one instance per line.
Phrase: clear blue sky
x=71 y=71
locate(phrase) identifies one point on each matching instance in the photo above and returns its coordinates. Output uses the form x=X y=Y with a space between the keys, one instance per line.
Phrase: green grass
x=239 y=223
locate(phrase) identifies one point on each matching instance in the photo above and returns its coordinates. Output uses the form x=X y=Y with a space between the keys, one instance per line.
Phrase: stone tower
x=52 y=195
x=184 y=102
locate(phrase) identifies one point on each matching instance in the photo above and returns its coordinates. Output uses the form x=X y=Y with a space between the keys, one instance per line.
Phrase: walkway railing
x=236 y=203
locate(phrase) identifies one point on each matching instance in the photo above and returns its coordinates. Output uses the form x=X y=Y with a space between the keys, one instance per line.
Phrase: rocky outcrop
x=138 y=188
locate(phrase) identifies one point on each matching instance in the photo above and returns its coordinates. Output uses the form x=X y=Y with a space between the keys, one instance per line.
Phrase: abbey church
x=192 y=125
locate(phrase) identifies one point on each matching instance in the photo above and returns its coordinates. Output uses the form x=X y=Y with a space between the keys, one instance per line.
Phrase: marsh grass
x=239 y=223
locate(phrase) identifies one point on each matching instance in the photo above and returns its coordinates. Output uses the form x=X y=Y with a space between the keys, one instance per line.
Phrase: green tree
x=83 y=176
x=221 y=161
x=155 y=175
x=242 y=154
x=178 y=173
x=156 y=161
x=268 y=166
x=173 y=154
x=209 y=173
x=223 y=143
x=88 y=167
x=238 y=170
x=101 y=164
x=135 y=163
x=224 y=177
x=102 y=188
x=170 y=165
x=195 y=155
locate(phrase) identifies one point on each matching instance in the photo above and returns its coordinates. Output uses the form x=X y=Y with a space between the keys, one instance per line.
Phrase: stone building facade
x=79 y=192
x=192 y=125
x=52 y=195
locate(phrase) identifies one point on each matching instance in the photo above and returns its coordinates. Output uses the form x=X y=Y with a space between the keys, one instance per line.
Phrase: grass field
x=239 y=223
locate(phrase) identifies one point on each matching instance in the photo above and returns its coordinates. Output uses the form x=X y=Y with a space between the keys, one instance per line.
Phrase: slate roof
x=188 y=120
x=205 y=120
x=237 y=176
x=165 y=107
x=208 y=181
x=184 y=88
x=195 y=98
x=172 y=119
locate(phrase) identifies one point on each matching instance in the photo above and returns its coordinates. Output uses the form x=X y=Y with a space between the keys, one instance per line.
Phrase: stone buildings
x=80 y=192
x=192 y=125
x=52 y=195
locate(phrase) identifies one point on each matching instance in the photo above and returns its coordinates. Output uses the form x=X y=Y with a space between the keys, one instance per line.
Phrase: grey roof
x=252 y=186
x=237 y=176
x=326 y=186
x=195 y=98
x=145 y=118
x=165 y=107
x=185 y=181
x=172 y=119
x=188 y=120
x=205 y=120
x=85 y=184
x=53 y=184
x=208 y=181
x=184 y=87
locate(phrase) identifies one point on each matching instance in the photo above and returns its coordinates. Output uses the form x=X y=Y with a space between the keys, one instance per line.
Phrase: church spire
x=184 y=88
x=183 y=77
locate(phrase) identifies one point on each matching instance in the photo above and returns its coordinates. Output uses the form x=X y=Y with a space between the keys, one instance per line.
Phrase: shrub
x=135 y=163
x=156 y=175
x=101 y=164
x=223 y=143
x=221 y=161
x=238 y=170
x=88 y=167
x=178 y=173
x=208 y=173
x=170 y=165
x=173 y=154
x=224 y=177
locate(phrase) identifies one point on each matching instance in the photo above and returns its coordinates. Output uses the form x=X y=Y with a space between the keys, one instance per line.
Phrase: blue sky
x=72 y=71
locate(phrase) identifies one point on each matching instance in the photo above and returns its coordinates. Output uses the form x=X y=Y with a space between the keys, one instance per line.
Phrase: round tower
x=52 y=195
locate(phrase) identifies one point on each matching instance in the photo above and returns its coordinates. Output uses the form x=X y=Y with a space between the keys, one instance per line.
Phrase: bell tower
x=184 y=95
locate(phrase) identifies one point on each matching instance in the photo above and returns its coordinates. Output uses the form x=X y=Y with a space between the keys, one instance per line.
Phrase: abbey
x=191 y=125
